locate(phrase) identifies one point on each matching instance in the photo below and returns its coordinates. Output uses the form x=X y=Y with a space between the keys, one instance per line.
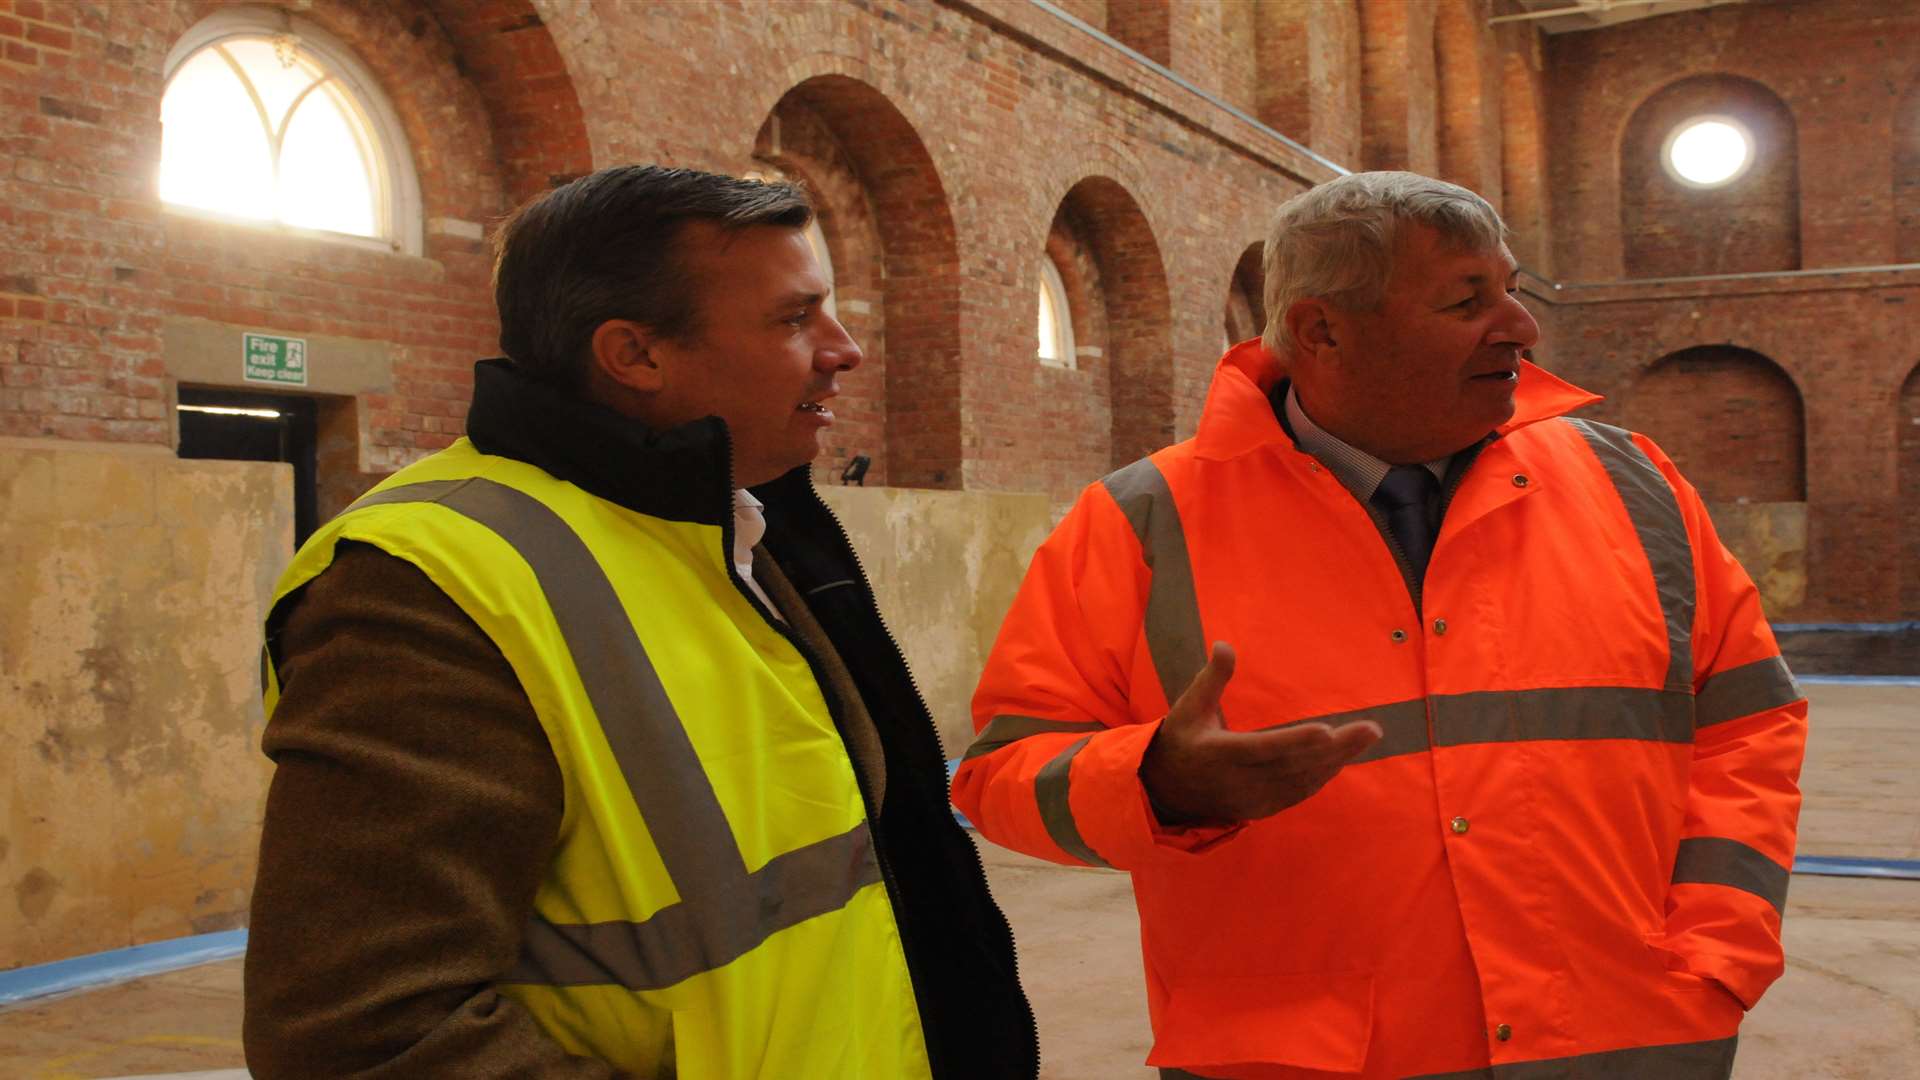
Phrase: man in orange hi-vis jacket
x=1441 y=735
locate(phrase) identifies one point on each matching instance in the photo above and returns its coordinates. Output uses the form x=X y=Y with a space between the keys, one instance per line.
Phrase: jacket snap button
x=1460 y=826
x=1398 y=636
x=1439 y=626
x=1502 y=1032
x=1520 y=479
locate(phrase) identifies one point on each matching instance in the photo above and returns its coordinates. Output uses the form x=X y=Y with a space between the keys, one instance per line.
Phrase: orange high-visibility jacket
x=1571 y=848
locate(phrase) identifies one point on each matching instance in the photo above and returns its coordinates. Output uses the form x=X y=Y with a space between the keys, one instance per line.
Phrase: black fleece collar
x=681 y=474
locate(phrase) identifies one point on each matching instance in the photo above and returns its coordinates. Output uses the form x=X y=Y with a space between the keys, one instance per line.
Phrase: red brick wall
x=1908 y=419
x=1906 y=175
x=1307 y=58
x=1729 y=418
x=1751 y=223
x=1837 y=337
x=102 y=265
x=1523 y=161
x=1146 y=26
x=1840 y=338
x=944 y=139
x=1139 y=349
x=1246 y=314
x=1469 y=91
x=1213 y=48
x=1397 y=87
x=1845 y=116
x=1074 y=425
x=502 y=46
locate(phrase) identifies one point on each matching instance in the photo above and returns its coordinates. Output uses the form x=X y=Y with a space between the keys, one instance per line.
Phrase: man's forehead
x=1425 y=252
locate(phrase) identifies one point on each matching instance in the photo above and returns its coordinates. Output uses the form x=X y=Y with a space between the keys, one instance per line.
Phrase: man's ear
x=623 y=353
x=1310 y=324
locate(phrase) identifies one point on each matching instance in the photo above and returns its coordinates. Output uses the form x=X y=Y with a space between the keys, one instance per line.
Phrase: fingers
x=1293 y=747
x=1202 y=697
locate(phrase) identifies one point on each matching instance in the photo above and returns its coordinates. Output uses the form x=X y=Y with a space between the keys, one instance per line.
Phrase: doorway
x=240 y=425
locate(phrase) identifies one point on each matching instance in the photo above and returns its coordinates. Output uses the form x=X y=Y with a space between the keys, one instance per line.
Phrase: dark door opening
x=237 y=425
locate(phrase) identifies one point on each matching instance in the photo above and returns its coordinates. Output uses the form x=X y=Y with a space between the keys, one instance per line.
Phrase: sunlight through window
x=1709 y=151
x=1055 y=328
x=257 y=127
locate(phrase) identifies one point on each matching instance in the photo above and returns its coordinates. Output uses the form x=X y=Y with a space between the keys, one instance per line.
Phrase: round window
x=1708 y=151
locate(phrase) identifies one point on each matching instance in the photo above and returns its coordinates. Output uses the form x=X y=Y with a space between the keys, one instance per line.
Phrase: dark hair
x=606 y=246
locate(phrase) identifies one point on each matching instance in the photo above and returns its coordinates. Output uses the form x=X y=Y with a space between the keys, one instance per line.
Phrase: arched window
x=1055 y=329
x=267 y=118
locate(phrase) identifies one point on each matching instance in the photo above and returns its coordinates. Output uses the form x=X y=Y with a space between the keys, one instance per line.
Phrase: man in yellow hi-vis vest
x=594 y=755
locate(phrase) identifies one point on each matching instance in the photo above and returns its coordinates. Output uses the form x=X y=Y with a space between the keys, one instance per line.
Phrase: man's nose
x=838 y=352
x=1516 y=325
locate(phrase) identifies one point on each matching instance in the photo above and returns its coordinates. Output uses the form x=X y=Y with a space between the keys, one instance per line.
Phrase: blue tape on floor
x=1834 y=866
x=1845 y=627
x=953 y=765
x=118 y=965
x=1859 y=680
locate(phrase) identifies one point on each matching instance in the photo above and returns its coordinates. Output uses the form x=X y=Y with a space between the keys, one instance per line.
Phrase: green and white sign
x=281 y=361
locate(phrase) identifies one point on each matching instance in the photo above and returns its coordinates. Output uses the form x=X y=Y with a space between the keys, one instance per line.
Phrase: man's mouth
x=816 y=407
x=1499 y=376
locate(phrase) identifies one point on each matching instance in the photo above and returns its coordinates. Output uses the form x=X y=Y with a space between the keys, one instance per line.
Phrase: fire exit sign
x=281 y=361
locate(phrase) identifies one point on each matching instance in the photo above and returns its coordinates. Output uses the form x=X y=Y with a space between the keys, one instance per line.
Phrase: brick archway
x=897 y=268
x=506 y=51
x=1246 y=314
x=1139 y=316
x=1730 y=418
x=1751 y=224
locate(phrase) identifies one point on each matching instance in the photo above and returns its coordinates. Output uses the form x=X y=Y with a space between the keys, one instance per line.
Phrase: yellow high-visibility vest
x=714 y=909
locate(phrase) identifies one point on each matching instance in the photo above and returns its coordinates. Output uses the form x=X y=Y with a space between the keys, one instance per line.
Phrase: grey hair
x=1336 y=241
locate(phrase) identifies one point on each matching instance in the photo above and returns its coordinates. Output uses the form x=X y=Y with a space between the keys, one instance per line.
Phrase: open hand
x=1198 y=771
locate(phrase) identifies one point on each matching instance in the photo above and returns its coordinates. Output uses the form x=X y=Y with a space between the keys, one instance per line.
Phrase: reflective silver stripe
x=1711 y=1060
x=1745 y=690
x=1497 y=716
x=1006 y=730
x=1403 y=725
x=1716 y=860
x=1569 y=712
x=1656 y=518
x=1174 y=638
x=724 y=910
x=1050 y=790
x=681 y=941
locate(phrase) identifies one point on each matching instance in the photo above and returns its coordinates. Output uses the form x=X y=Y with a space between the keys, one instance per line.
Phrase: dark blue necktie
x=1406 y=497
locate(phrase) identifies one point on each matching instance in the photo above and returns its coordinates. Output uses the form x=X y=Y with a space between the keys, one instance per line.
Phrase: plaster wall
x=134 y=586
x=130 y=716
x=944 y=566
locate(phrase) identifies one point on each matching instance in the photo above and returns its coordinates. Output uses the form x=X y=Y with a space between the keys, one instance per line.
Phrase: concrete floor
x=1847 y=1009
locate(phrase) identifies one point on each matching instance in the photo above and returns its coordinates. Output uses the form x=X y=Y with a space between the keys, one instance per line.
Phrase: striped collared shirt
x=1359 y=471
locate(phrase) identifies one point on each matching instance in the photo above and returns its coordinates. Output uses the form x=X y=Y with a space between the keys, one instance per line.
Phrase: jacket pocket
x=1321 y=1021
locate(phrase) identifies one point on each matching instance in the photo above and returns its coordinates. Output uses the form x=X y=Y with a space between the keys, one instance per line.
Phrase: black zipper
x=930 y=744
x=930 y=741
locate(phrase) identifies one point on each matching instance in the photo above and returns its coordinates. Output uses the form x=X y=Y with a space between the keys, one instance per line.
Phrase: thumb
x=1199 y=705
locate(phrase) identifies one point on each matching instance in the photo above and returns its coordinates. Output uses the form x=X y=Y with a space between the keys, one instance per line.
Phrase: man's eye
x=1462 y=305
